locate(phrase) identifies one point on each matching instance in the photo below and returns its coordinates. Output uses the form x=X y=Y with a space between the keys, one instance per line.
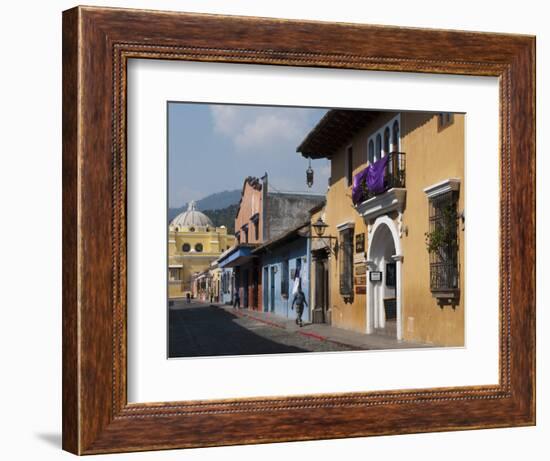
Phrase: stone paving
x=201 y=330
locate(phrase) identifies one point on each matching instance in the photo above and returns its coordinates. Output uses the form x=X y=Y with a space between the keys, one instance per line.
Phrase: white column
x=369 y=299
x=375 y=297
x=381 y=290
x=398 y=295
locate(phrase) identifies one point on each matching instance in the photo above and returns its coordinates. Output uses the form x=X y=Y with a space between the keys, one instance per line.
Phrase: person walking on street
x=237 y=300
x=299 y=300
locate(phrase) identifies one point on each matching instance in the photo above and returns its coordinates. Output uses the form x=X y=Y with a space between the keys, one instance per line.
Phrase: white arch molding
x=374 y=316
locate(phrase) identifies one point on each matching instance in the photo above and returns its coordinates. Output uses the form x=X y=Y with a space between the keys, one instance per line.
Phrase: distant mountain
x=216 y=201
x=224 y=217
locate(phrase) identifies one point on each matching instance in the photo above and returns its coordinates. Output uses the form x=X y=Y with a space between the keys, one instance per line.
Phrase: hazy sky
x=212 y=148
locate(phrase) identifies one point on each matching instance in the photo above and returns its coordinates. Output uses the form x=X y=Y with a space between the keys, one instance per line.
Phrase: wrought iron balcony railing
x=394 y=174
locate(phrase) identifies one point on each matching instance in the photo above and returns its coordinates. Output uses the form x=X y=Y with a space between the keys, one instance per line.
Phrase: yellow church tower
x=193 y=243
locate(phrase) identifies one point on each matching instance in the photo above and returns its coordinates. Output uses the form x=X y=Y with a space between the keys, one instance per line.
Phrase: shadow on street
x=210 y=331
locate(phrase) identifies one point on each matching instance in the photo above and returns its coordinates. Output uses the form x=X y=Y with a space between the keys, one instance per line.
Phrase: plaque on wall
x=360 y=243
x=375 y=276
x=359 y=258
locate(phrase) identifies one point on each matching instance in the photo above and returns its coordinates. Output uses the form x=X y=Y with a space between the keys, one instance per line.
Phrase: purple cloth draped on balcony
x=375 y=175
x=373 y=178
x=357 y=191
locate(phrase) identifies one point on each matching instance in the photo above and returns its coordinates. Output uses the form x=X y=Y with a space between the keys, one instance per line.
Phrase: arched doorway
x=384 y=279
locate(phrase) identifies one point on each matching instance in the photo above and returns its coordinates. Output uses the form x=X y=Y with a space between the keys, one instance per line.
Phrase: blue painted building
x=244 y=266
x=285 y=260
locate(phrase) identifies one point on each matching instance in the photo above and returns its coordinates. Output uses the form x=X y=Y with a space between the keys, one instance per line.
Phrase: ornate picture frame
x=97 y=44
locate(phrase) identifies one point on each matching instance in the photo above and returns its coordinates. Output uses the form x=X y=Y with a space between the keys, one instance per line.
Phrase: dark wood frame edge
x=97 y=43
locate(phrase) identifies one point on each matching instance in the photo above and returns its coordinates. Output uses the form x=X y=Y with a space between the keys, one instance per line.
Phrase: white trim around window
x=442 y=187
x=348 y=165
x=380 y=132
x=345 y=225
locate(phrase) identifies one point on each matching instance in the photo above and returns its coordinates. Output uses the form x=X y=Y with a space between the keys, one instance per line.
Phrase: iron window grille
x=442 y=243
x=394 y=174
x=346 y=262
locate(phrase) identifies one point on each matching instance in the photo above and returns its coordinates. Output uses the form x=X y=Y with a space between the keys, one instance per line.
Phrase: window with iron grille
x=442 y=242
x=346 y=262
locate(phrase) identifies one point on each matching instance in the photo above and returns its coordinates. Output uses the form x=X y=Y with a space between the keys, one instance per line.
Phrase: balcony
x=387 y=192
x=394 y=174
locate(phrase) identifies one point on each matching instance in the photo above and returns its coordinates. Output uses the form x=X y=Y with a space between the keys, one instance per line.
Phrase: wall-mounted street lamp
x=309 y=175
x=320 y=227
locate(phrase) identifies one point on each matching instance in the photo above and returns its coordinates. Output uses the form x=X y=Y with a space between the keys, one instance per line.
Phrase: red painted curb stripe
x=273 y=324
x=313 y=335
x=324 y=338
x=303 y=333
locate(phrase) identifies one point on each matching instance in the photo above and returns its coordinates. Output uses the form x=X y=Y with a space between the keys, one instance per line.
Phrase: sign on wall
x=360 y=243
x=375 y=276
x=361 y=280
x=359 y=258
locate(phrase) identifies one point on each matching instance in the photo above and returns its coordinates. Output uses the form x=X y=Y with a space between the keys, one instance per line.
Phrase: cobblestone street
x=201 y=330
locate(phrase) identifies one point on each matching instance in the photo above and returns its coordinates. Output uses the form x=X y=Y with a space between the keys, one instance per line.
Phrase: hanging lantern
x=319 y=227
x=309 y=175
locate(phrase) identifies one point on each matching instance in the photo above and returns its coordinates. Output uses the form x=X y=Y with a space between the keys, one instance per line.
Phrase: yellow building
x=398 y=265
x=193 y=244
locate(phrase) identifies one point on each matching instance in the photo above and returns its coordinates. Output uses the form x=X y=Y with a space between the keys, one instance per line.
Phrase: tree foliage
x=223 y=217
x=442 y=239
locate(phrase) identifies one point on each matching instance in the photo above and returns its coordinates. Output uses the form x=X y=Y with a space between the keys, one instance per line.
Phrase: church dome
x=192 y=217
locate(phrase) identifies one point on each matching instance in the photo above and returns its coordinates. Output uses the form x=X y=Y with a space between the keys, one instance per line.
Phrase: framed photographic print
x=281 y=230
